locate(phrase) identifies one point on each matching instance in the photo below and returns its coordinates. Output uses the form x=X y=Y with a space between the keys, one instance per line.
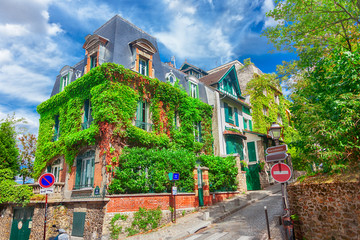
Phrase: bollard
x=267 y=222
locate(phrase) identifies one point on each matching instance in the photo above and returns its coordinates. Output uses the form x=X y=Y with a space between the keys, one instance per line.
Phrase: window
x=85 y=170
x=141 y=117
x=170 y=77
x=245 y=123
x=176 y=121
x=276 y=99
x=197 y=132
x=64 y=81
x=279 y=119
x=234 y=145
x=265 y=111
x=55 y=169
x=143 y=67
x=265 y=92
x=93 y=61
x=87 y=118
x=250 y=125
x=56 y=129
x=227 y=86
x=246 y=110
x=194 y=90
x=231 y=114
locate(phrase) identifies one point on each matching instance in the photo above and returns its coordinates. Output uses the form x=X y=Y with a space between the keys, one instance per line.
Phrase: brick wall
x=326 y=211
x=132 y=202
x=218 y=197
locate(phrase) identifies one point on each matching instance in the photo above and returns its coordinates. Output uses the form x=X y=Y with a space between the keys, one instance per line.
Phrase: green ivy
x=144 y=220
x=114 y=92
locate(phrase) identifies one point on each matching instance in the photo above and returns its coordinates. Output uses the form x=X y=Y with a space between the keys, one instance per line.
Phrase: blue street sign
x=176 y=176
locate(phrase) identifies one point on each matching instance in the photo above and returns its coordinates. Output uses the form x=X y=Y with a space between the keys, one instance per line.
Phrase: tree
x=8 y=151
x=326 y=110
x=27 y=155
x=312 y=28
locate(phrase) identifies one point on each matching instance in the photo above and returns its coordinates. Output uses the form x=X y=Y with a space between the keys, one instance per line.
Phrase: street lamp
x=275 y=132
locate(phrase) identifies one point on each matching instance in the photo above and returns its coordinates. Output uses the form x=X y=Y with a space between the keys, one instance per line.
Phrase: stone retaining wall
x=326 y=211
x=6 y=216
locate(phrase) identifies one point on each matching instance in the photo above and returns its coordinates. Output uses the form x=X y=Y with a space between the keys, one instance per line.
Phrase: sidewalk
x=192 y=223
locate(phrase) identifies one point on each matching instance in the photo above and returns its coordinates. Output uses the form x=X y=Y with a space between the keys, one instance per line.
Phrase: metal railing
x=86 y=125
x=55 y=137
x=143 y=125
x=81 y=186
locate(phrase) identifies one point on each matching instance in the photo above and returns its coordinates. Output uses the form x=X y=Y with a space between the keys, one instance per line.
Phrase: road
x=247 y=224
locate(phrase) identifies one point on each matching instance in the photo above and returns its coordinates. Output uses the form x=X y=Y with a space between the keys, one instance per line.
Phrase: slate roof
x=214 y=77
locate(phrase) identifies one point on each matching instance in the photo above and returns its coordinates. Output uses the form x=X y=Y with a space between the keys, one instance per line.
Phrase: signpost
x=174 y=177
x=275 y=157
x=45 y=181
x=277 y=149
x=281 y=172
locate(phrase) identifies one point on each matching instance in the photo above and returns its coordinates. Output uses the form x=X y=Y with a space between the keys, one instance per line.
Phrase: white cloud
x=13 y=30
x=5 y=56
x=22 y=84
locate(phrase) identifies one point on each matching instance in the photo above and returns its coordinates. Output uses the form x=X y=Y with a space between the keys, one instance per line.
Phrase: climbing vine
x=114 y=92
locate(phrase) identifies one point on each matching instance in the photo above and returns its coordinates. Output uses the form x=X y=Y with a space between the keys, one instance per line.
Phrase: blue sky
x=39 y=37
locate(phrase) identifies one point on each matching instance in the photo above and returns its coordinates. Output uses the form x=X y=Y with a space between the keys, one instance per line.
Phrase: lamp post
x=275 y=133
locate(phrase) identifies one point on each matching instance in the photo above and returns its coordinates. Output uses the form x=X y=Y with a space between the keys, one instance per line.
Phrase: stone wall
x=61 y=215
x=6 y=216
x=326 y=210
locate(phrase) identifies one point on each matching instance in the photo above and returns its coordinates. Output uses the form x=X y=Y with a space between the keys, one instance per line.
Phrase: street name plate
x=277 y=149
x=276 y=157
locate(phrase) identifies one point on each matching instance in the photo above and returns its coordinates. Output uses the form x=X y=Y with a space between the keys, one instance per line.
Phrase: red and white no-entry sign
x=281 y=172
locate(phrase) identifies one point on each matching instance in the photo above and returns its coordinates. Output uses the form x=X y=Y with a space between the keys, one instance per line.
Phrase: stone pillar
x=241 y=176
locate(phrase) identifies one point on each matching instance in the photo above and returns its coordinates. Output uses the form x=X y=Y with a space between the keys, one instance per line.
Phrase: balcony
x=83 y=186
x=58 y=189
x=143 y=125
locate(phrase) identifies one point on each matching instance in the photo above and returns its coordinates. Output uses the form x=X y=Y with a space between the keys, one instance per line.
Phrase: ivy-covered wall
x=262 y=90
x=114 y=92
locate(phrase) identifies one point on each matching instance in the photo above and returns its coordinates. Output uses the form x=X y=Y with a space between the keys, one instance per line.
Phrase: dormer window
x=170 y=77
x=194 y=90
x=66 y=74
x=94 y=50
x=143 y=51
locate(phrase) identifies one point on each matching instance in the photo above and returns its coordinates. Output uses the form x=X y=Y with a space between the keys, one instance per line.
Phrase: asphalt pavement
x=186 y=226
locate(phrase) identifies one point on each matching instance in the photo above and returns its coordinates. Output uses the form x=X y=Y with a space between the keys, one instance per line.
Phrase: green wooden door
x=22 y=223
x=200 y=188
x=252 y=177
x=78 y=224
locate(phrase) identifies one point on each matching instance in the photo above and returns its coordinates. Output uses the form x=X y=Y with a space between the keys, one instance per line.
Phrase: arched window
x=170 y=77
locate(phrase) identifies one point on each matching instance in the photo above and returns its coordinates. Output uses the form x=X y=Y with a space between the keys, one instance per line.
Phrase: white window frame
x=55 y=169
x=193 y=90
x=169 y=76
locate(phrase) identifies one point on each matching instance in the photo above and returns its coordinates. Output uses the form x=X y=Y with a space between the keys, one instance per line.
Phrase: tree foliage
x=326 y=110
x=27 y=151
x=8 y=151
x=312 y=28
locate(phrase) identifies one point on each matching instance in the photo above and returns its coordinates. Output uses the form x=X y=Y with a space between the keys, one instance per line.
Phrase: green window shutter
x=200 y=138
x=86 y=110
x=228 y=145
x=197 y=91
x=61 y=83
x=48 y=169
x=139 y=111
x=236 y=117
x=78 y=224
x=251 y=151
x=92 y=171
x=239 y=147
x=250 y=125
x=78 y=172
x=189 y=88
x=245 y=123
x=226 y=109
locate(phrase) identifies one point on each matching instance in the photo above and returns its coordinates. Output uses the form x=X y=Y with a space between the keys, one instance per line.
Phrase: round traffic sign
x=281 y=172
x=47 y=180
